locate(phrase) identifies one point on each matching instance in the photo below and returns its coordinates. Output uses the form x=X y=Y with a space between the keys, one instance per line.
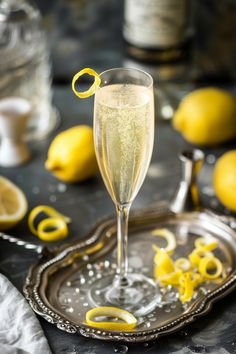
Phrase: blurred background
x=183 y=44
x=90 y=33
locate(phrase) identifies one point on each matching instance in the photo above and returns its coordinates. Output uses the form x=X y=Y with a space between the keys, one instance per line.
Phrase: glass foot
x=137 y=293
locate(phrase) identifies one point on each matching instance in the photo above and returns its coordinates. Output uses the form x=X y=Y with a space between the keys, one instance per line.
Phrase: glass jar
x=24 y=64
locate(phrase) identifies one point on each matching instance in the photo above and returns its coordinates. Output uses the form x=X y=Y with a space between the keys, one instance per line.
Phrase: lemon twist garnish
x=186 y=289
x=207 y=245
x=56 y=221
x=163 y=264
x=186 y=274
x=197 y=254
x=171 y=278
x=183 y=264
x=210 y=263
x=92 y=89
x=168 y=236
x=112 y=312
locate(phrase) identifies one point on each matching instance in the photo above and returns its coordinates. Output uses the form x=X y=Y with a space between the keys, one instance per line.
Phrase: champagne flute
x=123 y=138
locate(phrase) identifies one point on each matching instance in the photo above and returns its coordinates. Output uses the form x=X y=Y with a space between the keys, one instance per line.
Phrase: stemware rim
x=130 y=69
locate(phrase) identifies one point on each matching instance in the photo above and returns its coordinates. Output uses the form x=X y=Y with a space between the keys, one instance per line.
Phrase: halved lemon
x=13 y=204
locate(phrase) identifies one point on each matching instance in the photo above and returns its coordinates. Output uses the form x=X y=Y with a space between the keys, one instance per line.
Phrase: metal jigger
x=187 y=195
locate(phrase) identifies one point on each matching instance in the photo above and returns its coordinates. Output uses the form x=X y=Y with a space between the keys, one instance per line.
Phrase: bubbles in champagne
x=124 y=129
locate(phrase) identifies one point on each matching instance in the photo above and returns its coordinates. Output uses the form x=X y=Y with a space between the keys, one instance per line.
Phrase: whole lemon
x=71 y=155
x=207 y=117
x=224 y=179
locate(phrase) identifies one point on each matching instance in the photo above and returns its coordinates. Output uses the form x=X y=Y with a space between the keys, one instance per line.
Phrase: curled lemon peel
x=210 y=263
x=171 y=278
x=197 y=254
x=186 y=289
x=163 y=264
x=55 y=221
x=60 y=229
x=168 y=236
x=186 y=274
x=205 y=244
x=113 y=312
x=92 y=89
x=183 y=264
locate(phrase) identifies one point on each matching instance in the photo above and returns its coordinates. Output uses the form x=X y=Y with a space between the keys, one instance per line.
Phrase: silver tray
x=56 y=289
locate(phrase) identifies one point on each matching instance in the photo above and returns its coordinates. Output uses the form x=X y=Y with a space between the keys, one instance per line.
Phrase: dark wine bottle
x=158 y=31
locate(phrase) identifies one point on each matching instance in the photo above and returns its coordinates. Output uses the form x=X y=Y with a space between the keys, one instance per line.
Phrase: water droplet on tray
x=121 y=349
x=82 y=280
x=69 y=309
x=67 y=300
x=106 y=264
x=149 y=345
x=61 y=187
x=53 y=198
x=210 y=159
x=85 y=257
x=35 y=190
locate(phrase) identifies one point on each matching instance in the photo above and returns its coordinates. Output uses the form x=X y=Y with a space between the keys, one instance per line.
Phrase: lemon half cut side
x=13 y=204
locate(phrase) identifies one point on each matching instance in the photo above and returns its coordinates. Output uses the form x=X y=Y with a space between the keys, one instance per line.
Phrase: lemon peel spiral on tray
x=186 y=274
x=52 y=228
x=128 y=324
x=92 y=88
x=168 y=236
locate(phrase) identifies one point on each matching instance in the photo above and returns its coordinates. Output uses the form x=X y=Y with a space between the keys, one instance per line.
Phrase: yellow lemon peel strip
x=168 y=236
x=92 y=89
x=183 y=264
x=46 y=210
x=197 y=254
x=56 y=221
x=171 y=278
x=187 y=273
x=113 y=312
x=210 y=263
x=186 y=289
x=163 y=264
x=60 y=229
x=206 y=245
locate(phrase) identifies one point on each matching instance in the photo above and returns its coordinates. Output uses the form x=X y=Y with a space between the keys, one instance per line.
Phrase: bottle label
x=155 y=23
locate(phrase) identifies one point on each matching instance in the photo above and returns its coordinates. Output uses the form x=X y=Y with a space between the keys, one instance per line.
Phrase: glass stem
x=122 y=243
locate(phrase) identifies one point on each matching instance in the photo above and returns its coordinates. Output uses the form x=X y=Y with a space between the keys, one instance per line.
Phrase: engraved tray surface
x=57 y=289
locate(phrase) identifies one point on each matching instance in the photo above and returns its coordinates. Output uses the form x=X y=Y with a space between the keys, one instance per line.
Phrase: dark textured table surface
x=88 y=202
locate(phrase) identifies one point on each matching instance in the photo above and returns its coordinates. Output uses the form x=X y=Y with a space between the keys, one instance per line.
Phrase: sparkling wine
x=124 y=129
